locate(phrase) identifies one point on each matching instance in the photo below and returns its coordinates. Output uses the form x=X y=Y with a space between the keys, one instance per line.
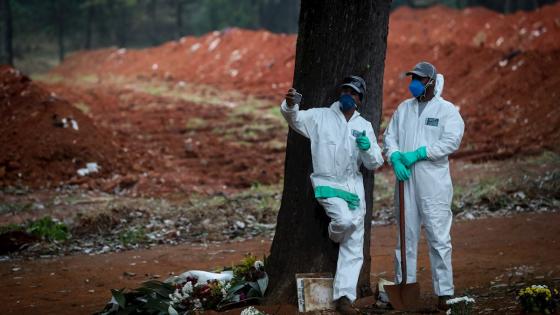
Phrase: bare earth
x=485 y=251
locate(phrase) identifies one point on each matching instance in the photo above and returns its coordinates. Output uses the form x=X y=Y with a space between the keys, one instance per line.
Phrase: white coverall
x=429 y=192
x=336 y=163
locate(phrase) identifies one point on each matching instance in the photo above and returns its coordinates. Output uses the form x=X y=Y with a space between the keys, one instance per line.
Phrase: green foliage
x=245 y=266
x=185 y=296
x=48 y=229
x=10 y=228
x=132 y=236
x=151 y=298
x=50 y=28
x=538 y=299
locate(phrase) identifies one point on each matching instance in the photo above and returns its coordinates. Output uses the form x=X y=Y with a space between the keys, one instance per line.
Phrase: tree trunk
x=179 y=4
x=335 y=39
x=89 y=25
x=119 y=21
x=151 y=12
x=6 y=11
x=58 y=20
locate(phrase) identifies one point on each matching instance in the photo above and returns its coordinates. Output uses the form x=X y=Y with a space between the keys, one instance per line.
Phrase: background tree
x=335 y=40
x=58 y=14
x=7 y=27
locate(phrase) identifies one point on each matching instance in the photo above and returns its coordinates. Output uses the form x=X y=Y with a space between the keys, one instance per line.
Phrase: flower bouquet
x=538 y=299
x=245 y=285
x=460 y=306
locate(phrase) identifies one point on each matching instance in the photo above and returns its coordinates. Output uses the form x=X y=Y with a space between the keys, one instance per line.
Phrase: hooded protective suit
x=336 y=163
x=428 y=192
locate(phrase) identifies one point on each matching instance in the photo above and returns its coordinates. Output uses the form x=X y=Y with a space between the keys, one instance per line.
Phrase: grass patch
x=196 y=123
x=88 y=78
x=48 y=229
x=15 y=207
x=47 y=78
x=82 y=106
x=10 y=228
x=132 y=236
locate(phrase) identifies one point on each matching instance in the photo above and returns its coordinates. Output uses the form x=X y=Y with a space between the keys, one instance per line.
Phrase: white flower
x=464 y=299
x=187 y=288
x=251 y=311
x=197 y=304
x=176 y=297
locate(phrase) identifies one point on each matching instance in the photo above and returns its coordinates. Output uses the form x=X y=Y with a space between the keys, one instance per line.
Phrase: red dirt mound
x=43 y=138
x=501 y=70
x=258 y=62
x=172 y=156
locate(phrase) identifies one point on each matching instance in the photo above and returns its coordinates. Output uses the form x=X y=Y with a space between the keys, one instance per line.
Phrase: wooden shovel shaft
x=402 y=227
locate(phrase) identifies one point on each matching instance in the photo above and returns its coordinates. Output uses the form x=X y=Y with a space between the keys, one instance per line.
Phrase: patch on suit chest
x=432 y=122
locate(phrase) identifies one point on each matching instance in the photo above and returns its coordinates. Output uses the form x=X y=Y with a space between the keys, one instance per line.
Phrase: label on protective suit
x=432 y=122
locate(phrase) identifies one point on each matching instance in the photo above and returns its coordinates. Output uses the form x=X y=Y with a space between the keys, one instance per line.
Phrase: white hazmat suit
x=336 y=163
x=429 y=192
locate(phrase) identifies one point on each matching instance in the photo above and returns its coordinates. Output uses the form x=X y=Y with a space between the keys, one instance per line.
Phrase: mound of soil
x=257 y=62
x=501 y=70
x=171 y=155
x=43 y=138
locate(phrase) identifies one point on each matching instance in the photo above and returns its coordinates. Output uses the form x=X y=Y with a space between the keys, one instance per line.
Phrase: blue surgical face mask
x=346 y=102
x=416 y=88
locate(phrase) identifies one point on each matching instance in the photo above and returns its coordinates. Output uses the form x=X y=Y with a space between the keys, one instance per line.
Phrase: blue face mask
x=346 y=103
x=416 y=88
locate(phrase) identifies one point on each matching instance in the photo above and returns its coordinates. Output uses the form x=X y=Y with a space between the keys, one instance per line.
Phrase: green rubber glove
x=322 y=192
x=401 y=172
x=363 y=142
x=409 y=158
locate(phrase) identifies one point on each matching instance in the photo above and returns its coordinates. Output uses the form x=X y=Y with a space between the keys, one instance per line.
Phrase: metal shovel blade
x=404 y=297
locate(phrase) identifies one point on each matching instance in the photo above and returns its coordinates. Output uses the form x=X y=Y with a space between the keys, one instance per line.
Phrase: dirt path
x=484 y=251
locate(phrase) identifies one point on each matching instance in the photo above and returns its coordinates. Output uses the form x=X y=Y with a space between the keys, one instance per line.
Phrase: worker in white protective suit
x=422 y=133
x=341 y=141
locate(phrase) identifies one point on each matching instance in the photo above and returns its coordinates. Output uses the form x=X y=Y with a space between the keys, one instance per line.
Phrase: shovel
x=403 y=296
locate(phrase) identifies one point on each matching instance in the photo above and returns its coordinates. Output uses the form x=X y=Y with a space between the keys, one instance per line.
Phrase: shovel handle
x=402 y=235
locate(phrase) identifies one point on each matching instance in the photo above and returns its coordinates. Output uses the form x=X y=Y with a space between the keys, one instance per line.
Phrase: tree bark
x=119 y=17
x=58 y=20
x=336 y=39
x=151 y=12
x=89 y=25
x=6 y=11
x=179 y=4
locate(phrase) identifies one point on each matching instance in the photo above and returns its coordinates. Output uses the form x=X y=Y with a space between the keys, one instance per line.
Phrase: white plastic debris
x=74 y=124
x=69 y=122
x=214 y=44
x=90 y=168
x=202 y=276
x=195 y=47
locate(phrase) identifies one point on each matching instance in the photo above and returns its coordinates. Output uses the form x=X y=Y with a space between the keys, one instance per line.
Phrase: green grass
x=48 y=78
x=132 y=236
x=196 y=123
x=82 y=106
x=48 y=229
x=10 y=228
x=45 y=228
x=15 y=207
